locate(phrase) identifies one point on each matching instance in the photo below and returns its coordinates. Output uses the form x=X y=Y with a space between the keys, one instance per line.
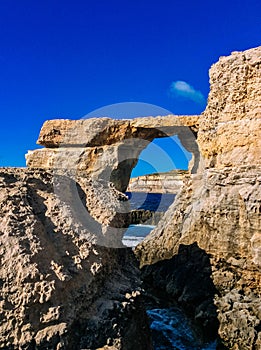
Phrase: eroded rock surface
x=65 y=281
x=219 y=207
x=229 y=132
x=108 y=149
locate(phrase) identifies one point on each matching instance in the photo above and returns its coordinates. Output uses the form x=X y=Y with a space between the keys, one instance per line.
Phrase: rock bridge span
x=109 y=148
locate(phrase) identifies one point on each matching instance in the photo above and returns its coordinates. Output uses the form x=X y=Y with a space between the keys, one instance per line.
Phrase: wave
x=135 y=234
x=142 y=225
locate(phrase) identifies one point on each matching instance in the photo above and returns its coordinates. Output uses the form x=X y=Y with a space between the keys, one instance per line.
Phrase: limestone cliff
x=219 y=207
x=169 y=182
x=229 y=132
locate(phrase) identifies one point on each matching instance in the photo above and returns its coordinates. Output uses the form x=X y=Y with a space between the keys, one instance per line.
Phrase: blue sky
x=64 y=59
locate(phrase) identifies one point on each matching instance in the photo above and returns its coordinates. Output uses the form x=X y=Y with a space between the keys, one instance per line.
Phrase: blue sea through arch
x=155 y=202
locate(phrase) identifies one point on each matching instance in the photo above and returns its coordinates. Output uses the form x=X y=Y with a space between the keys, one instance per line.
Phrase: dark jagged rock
x=185 y=280
x=141 y=216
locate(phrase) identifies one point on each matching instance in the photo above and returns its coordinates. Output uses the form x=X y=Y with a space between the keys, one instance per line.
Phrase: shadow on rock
x=185 y=281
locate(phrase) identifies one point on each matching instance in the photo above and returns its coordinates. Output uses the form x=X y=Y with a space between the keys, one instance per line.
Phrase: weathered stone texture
x=219 y=207
x=230 y=127
x=105 y=131
x=63 y=279
x=219 y=210
x=108 y=149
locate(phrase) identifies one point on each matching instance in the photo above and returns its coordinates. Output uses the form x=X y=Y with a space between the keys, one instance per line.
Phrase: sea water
x=147 y=201
x=171 y=330
x=135 y=234
x=150 y=201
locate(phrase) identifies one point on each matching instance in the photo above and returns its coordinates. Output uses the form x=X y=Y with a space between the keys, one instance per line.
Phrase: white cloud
x=183 y=89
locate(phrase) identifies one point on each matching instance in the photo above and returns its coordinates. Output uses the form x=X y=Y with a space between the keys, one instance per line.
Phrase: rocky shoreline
x=67 y=281
x=149 y=217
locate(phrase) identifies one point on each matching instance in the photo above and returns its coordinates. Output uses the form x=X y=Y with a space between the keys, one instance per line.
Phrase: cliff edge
x=169 y=182
x=219 y=207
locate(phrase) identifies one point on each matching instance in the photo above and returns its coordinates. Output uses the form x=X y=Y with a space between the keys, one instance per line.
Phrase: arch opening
x=162 y=155
x=154 y=183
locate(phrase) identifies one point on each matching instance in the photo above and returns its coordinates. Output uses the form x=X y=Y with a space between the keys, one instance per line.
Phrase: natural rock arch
x=107 y=148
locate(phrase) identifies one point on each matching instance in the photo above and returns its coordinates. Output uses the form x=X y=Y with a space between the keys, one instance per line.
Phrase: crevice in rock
x=184 y=282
